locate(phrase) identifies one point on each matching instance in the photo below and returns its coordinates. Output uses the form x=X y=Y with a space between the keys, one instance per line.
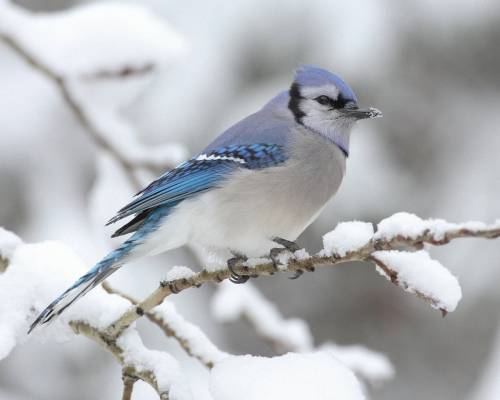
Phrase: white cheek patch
x=212 y=157
x=313 y=109
x=314 y=91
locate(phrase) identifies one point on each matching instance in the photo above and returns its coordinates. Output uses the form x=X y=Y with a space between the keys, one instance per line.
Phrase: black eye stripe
x=340 y=102
x=325 y=100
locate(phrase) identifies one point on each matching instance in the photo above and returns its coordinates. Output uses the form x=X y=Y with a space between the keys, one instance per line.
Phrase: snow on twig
x=34 y=273
x=370 y=365
x=165 y=370
x=159 y=369
x=419 y=274
x=436 y=233
x=189 y=336
x=138 y=45
x=106 y=39
x=231 y=302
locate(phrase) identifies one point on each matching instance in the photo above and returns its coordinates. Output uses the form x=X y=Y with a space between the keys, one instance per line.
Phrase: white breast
x=281 y=201
x=254 y=206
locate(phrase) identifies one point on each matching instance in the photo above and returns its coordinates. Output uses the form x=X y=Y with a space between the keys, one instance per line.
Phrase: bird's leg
x=274 y=254
x=287 y=244
x=236 y=261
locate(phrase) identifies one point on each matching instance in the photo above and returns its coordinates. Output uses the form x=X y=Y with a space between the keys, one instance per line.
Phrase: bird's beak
x=358 y=113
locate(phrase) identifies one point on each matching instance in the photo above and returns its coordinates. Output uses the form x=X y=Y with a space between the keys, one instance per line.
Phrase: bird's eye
x=325 y=100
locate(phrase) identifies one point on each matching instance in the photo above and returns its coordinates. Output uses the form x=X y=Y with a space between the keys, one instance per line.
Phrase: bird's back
x=271 y=124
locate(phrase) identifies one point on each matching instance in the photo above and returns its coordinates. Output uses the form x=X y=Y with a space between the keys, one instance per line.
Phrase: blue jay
x=261 y=182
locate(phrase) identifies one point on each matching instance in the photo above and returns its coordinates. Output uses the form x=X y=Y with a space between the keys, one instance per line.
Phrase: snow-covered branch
x=352 y=241
x=293 y=334
x=34 y=273
x=231 y=302
x=189 y=336
x=160 y=370
x=24 y=34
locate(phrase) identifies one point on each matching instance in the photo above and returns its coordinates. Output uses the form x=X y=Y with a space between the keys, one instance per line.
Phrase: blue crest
x=309 y=75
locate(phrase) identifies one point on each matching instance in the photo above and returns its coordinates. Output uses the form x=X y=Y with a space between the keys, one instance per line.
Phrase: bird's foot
x=276 y=252
x=287 y=244
x=237 y=262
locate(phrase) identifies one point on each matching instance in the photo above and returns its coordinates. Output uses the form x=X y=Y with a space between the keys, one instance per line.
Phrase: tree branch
x=190 y=337
x=128 y=385
x=130 y=369
x=299 y=262
x=100 y=138
x=231 y=302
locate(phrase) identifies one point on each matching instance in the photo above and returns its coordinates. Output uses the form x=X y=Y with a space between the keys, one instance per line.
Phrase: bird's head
x=321 y=101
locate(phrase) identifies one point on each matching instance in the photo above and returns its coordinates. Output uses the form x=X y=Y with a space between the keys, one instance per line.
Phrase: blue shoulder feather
x=201 y=173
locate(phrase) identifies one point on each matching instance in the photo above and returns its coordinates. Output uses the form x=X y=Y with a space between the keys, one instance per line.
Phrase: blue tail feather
x=112 y=262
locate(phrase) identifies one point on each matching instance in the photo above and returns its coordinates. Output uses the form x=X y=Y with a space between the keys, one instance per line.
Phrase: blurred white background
x=433 y=68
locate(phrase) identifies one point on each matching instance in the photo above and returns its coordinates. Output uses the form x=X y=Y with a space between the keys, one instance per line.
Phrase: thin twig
x=4 y=263
x=124 y=72
x=100 y=138
x=128 y=385
x=167 y=288
x=114 y=348
x=168 y=330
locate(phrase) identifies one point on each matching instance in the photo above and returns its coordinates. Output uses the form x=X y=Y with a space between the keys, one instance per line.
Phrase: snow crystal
x=417 y=272
x=375 y=367
x=199 y=345
x=165 y=368
x=179 y=272
x=400 y=224
x=233 y=301
x=8 y=243
x=292 y=376
x=347 y=237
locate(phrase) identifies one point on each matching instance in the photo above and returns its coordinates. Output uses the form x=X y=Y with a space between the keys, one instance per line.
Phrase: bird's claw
x=274 y=255
x=173 y=288
x=287 y=244
x=235 y=262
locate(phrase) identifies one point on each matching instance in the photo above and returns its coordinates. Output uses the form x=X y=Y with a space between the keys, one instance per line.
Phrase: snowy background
x=431 y=67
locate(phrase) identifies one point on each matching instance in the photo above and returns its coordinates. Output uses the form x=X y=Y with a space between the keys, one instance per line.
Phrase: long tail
x=104 y=268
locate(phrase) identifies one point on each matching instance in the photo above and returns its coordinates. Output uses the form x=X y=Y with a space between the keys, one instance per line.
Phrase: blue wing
x=199 y=174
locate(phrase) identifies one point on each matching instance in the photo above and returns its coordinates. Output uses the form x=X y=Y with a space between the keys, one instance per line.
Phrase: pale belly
x=253 y=207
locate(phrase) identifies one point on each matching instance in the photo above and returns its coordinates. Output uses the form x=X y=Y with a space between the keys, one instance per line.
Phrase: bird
x=259 y=183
